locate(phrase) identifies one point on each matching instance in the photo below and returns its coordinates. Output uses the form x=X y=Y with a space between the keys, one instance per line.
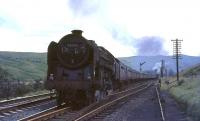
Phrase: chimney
x=77 y=32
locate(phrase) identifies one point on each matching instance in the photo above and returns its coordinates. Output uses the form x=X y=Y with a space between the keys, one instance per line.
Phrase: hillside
x=31 y=66
x=192 y=71
x=24 y=65
x=4 y=75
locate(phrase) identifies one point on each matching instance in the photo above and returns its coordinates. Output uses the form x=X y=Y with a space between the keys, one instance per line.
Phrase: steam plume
x=150 y=46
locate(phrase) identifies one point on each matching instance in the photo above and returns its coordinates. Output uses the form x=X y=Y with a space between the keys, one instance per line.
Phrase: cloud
x=2 y=21
x=118 y=33
x=150 y=46
x=107 y=22
x=8 y=22
x=84 y=7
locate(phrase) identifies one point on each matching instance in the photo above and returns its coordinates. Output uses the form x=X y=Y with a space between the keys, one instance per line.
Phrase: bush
x=23 y=89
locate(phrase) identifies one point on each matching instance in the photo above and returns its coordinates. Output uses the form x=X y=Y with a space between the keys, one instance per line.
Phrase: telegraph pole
x=177 y=54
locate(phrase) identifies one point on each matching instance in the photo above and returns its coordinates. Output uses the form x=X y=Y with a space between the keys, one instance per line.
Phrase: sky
x=123 y=27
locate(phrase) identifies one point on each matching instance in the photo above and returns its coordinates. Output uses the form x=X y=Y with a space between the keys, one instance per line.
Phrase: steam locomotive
x=82 y=72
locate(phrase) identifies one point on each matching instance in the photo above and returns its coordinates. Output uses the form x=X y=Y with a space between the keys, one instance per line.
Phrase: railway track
x=43 y=113
x=66 y=113
x=96 y=114
x=11 y=107
x=22 y=99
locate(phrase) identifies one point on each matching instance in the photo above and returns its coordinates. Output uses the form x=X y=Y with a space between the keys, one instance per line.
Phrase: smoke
x=83 y=7
x=150 y=46
x=157 y=67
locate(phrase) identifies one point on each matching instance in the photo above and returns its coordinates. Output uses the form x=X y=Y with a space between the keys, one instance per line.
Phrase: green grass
x=188 y=94
x=37 y=92
x=24 y=65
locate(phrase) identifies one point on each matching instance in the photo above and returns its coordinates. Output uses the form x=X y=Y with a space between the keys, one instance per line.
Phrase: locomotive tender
x=82 y=72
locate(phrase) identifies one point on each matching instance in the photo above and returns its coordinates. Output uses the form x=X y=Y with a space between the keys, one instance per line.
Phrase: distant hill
x=154 y=62
x=24 y=65
x=31 y=66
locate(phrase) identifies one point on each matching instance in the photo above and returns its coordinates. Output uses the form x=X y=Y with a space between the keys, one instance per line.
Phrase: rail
x=25 y=98
x=49 y=115
x=23 y=104
x=160 y=104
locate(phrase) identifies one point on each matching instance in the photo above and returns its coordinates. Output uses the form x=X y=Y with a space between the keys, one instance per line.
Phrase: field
x=188 y=95
x=24 y=65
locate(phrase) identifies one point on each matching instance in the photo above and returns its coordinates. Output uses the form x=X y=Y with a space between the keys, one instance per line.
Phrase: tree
x=37 y=85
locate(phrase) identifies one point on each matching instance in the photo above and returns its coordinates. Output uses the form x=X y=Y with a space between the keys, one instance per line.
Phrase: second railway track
x=21 y=99
x=9 y=105
x=13 y=108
